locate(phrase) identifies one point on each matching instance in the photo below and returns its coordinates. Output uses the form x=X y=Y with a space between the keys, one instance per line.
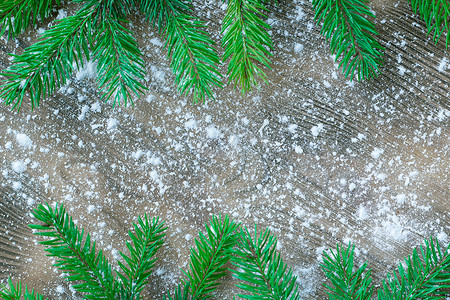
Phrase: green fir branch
x=45 y=66
x=207 y=262
x=427 y=275
x=11 y=292
x=182 y=293
x=146 y=240
x=193 y=58
x=120 y=63
x=261 y=269
x=75 y=254
x=16 y=16
x=246 y=41
x=436 y=15
x=346 y=283
x=351 y=34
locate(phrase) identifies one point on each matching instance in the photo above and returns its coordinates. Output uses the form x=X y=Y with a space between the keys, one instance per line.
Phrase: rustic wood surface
x=317 y=159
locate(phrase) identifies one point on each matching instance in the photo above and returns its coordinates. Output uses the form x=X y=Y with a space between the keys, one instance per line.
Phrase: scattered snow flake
x=315 y=130
x=90 y=208
x=212 y=132
x=442 y=65
x=299 y=212
x=95 y=107
x=233 y=140
x=60 y=289
x=111 y=124
x=297 y=149
x=157 y=42
x=191 y=124
x=8 y=145
x=401 y=70
x=400 y=198
x=292 y=128
x=24 y=140
x=136 y=155
x=326 y=84
x=19 y=166
x=87 y=72
x=351 y=186
x=61 y=14
x=84 y=110
x=17 y=185
x=362 y=213
x=376 y=153
x=298 y=48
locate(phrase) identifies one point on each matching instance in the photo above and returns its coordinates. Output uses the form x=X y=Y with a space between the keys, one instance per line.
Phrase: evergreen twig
x=436 y=15
x=346 y=24
x=75 y=254
x=427 y=275
x=346 y=283
x=146 y=240
x=11 y=292
x=16 y=16
x=246 y=41
x=261 y=269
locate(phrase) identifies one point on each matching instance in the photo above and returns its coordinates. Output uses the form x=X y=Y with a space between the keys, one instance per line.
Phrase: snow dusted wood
x=318 y=159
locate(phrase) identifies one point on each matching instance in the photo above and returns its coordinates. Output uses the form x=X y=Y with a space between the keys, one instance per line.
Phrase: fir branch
x=75 y=254
x=427 y=275
x=346 y=283
x=192 y=57
x=180 y=293
x=17 y=16
x=436 y=15
x=11 y=292
x=147 y=239
x=120 y=64
x=263 y=273
x=346 y=23
x=246 y=42
x=213 y=252
x=47 y=65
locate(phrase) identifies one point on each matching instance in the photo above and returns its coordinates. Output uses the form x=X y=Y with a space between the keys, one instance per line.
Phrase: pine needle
x=246 y=41
x=346 y=24
x=261 y=270
x=75 y=254
x=346 y=283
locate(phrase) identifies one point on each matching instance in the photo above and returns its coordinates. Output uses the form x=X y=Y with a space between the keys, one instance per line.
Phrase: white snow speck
x=297 y=149
x=24 y=140
x=84 y=110
x=315 y=130
x=442 y=65
x=111 y=124
x=298 y=48
x=292 y=128
x=233 y=140
x=90 y=208
x=96 y=107
x=89 y=71
x=400 y=198
x=19 y=166
x=191 y=124
x=136 y=155
x=61 y=14
x=376 y=153
x=401 y=70
x=300 y=212
x=212 y=132
x=17 y=185
x=60 y=289
x=156 y=42
x=326 y=84
x=362 y=213
x=8 y=145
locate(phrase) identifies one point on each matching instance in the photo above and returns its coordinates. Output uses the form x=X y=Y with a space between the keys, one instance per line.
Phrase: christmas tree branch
x=246 y=42
x=436 y=15
x=17 y=16
x=120 y=64
x=146 y=240
x=11 y=292
x=75 y=254
x=345 y=23
x=346 y=283
x=262 y=271
x=427 y=275
x=192 y=57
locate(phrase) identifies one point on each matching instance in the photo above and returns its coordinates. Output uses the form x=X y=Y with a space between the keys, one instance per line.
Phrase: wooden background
x=316 y=158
